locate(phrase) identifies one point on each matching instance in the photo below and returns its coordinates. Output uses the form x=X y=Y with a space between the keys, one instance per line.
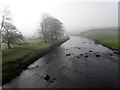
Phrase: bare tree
x=9 y=32
x=11 y=35
x=5 y=18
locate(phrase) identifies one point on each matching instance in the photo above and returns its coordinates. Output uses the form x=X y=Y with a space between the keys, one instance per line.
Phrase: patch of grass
x=105 y=37
x=20 y=51
x=20 y=56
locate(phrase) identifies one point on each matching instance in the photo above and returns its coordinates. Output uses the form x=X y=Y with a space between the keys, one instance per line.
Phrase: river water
x=80 y=68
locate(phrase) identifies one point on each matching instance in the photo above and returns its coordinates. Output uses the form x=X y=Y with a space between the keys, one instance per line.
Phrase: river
x=78 y=63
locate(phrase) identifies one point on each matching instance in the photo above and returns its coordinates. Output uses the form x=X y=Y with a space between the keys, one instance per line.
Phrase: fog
x=76 y=15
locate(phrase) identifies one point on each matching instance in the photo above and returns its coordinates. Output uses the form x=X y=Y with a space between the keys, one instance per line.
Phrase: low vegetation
x=107 y=37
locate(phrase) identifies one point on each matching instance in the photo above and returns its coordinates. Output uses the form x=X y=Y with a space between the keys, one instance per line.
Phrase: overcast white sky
x=75 y=14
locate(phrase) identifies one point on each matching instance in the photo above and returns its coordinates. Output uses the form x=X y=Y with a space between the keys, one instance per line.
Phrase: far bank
x=108 y=37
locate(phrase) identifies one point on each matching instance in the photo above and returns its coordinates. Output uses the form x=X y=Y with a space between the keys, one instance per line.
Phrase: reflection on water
x=73 y=70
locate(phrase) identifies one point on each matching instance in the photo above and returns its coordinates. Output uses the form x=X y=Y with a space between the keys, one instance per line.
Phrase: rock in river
x=90 y=50
x=97 y=55
x=68 y=54
x=47 y=77
x=78 y=57
x=86 y=56
x=110 y=54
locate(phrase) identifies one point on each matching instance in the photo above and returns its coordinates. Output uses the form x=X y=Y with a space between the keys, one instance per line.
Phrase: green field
x=23 y=50
x=107 y=37
x=20 y=56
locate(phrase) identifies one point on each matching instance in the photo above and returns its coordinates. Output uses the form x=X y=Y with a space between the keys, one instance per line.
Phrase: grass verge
x=108 y=38
x=17 y=59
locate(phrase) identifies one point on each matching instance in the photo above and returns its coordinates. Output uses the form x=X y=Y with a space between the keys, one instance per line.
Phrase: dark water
x=74 y=70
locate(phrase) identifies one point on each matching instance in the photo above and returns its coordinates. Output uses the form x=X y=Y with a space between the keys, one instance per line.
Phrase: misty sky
x=76 y=15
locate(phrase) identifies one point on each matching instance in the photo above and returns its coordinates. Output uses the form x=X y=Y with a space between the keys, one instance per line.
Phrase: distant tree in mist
x=10 y=34
x=51 y=28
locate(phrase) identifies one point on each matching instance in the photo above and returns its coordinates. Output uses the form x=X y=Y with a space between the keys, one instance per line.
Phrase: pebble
x=78 y=57
x=81 y=54
x=54 y=78
x=86 y=56
x=51 y=81
x=97 y=55
x=110 y=54
x=90 y=50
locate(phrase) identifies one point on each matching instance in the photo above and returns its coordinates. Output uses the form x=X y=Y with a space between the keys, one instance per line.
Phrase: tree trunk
x=9 y=47
x=43 y=32
x=56 y=36
x=1 y=33
x=45 y=37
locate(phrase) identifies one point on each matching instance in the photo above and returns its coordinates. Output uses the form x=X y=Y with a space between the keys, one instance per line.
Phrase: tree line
x=50 y=29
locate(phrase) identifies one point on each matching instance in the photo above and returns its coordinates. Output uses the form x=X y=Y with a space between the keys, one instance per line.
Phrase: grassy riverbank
x=107 y=37
x=19 y=57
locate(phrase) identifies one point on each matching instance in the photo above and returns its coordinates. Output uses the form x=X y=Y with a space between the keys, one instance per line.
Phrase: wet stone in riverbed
x=68 y=54
x=97 y=55
x=49 y=79
x=86 y=56
x=90 y=50
x=81 y=54
x=110 y=54
x=116 y=52
x=77 y=57
x=54 y=78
